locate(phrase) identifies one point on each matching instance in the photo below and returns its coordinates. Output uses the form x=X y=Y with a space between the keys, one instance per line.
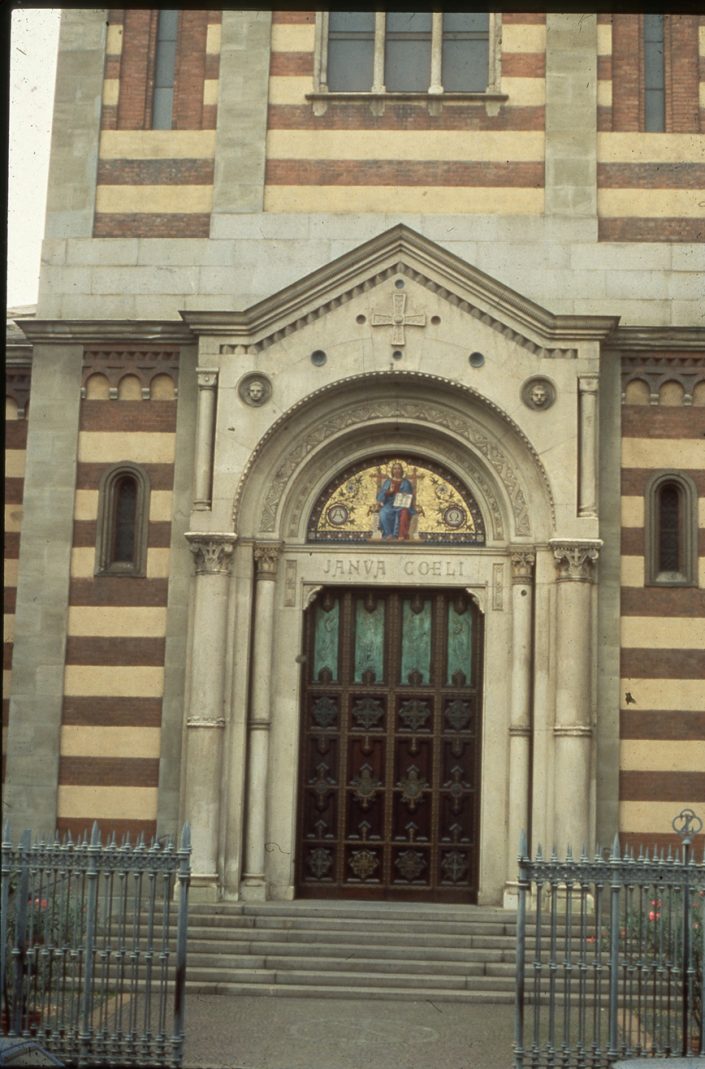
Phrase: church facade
x=355 y=454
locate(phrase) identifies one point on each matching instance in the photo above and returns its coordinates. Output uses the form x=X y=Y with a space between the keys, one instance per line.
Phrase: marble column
x=253 y=886
x=523 y=562
x=203 y=472
x=205 y=718
x=587 y=482
x=573 y=727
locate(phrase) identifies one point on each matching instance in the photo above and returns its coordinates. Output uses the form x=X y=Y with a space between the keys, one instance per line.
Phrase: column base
x=204 y=887
x=253 y=889
x=510 y=895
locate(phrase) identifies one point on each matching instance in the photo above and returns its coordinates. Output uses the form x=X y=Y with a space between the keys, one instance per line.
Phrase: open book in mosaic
x=394 y=498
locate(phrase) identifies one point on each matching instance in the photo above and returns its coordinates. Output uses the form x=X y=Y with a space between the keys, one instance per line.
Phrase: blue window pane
x=654 y=74
x=350 y=65
x=459 y=645
x=466 y=22
x=369 y=640
x=351 y=22
x=351 y=36
x=327 y=626
x=162 y=107
x=407 y=65
x=465 y=66
x=408 y=22
x=416 y=641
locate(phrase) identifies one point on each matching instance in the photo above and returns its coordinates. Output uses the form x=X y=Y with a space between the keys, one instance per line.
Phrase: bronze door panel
x=389 y=773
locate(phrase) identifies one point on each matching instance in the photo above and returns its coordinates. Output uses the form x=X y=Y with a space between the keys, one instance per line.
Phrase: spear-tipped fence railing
x=93 y=947
x=610 y=954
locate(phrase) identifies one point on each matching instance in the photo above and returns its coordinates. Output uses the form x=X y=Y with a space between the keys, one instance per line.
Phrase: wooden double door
x=390 y=746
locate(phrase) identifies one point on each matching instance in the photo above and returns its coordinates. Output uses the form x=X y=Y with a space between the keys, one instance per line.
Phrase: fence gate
x=609 y=959
x=94 y=948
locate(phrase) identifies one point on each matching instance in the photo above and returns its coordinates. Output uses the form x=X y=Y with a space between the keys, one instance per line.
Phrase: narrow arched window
x=671 y=530
x=123 y=521
x=125 y=515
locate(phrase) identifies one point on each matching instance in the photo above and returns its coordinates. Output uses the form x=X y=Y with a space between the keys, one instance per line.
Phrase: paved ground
x=224 y=1032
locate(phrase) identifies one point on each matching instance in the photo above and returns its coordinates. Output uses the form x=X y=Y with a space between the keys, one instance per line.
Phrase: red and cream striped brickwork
x=406 y=159
x=650 y=185
x=17 y=388
x=662 y=718
x=114 y=673
x=157 y=183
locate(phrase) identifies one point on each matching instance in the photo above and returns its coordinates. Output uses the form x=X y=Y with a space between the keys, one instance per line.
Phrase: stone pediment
x=401 y=250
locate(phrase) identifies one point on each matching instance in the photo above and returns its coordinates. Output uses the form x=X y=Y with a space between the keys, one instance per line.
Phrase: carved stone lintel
x=267 y=558
x=523 y=562
x=578 y=731
x=575 y=559
x=204 y=722
x=212 y=552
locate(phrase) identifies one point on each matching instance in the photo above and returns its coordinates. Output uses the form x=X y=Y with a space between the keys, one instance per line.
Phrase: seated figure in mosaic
x=396 y=498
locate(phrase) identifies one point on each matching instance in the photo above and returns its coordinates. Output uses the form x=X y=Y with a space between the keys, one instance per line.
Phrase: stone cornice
x=112 y=332
x=649 y=339
x=402 y=250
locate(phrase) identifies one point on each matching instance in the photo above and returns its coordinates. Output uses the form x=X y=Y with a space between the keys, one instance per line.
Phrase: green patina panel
x=327 y=629
x=369 y=639
x=416 y=640
x=459 y=644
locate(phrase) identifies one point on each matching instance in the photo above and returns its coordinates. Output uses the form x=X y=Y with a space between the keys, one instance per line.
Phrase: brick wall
x=455 y=158
x=114 y=672
x=157 y=183
x=662 y=717
x=17 y=388
x=645 y=190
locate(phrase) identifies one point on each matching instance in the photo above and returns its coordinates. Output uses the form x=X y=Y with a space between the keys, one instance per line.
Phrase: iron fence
x=94 y=947
x=609 y=958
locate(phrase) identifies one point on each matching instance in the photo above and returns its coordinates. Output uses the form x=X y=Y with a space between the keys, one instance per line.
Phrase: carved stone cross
x=398 y=319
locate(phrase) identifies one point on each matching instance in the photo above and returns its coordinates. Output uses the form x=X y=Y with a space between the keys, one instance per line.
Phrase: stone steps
x=352 y=950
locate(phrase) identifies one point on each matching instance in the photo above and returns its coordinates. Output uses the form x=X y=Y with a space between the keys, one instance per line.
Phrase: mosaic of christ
x=394 y=499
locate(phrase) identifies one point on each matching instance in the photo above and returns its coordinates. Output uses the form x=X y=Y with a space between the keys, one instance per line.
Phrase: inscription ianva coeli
x=377 y=569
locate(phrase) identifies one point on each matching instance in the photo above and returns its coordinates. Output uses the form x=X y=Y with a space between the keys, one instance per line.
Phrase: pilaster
x=30 y=795
x=207 y=379
x=243 y=93
x=205 y=718
x=571 y=114
x=523 y=562
x=76 y=131
x=573 y=727
x=254 y=880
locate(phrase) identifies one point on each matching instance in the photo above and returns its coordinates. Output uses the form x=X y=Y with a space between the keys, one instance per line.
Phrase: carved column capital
x=207 y=378
x=212 y=552
x=266 y=559
x=575 y=559
x=588 y=383
x=523 y=562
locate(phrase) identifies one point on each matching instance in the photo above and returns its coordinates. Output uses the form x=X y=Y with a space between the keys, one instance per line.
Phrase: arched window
x=123 y=520
x=671 y=530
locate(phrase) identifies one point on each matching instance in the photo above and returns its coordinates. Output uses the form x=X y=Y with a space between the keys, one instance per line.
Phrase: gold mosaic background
x=348 y=511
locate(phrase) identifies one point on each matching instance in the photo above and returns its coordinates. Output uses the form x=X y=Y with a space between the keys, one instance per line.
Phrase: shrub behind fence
x=94 y=948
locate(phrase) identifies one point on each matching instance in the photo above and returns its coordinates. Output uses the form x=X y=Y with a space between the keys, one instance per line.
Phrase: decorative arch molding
x=476 y=447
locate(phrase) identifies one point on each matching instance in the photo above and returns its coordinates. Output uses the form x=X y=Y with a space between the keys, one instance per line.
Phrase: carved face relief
x=538 y=394
x=255 y=390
